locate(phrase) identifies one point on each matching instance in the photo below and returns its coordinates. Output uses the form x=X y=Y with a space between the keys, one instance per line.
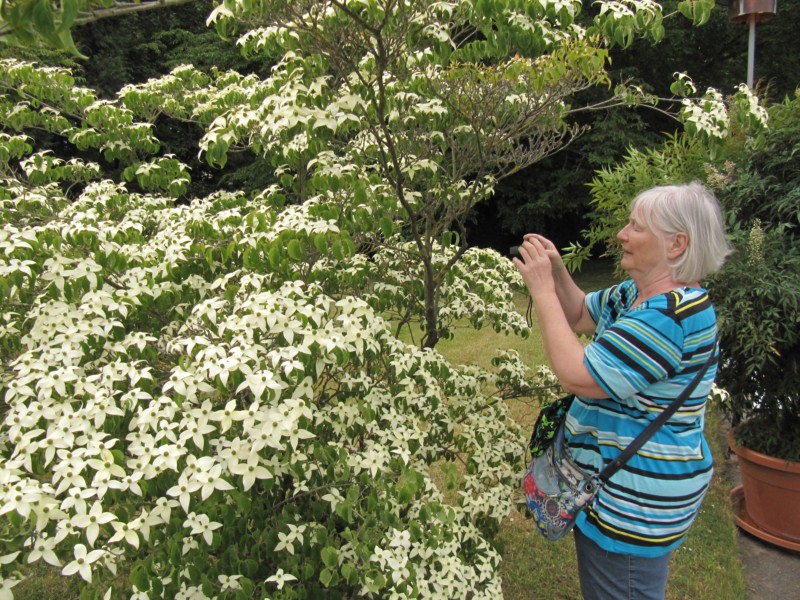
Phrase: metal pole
x=751 y=51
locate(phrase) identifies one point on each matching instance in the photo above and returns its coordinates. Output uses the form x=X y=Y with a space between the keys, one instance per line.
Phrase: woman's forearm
x=571 y=297
x=564 y=350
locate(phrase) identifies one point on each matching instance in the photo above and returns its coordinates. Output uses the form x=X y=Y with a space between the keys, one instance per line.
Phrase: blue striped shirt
x=643 y=357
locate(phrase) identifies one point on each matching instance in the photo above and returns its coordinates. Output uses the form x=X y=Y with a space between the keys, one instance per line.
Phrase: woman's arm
x=564 y=350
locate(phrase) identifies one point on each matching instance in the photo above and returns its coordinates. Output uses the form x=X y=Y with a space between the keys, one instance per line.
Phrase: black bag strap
x=639 y=441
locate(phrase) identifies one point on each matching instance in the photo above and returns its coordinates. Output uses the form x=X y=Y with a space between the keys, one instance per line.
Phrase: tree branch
x=124 y=8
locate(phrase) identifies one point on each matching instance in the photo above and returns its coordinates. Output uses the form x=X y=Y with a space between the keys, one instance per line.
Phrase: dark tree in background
x=552 y=197
x=135 y=47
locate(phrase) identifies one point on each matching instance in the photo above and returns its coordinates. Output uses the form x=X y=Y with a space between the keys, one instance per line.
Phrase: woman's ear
x=677 y=245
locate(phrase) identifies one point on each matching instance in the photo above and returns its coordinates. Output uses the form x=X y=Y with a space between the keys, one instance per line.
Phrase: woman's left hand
x=535 y=266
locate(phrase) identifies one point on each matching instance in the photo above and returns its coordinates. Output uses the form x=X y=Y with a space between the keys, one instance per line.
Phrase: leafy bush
x=199 y=424
x=757 y=294
x=680 y=159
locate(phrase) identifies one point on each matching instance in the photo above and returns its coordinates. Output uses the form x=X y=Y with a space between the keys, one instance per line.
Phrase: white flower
x=210 y=480
x=183 y=490
x=166 y=456
x=82 y=563
x=124 y=531
x=5 y=587
x=196 y=431
x=227 y=416
x=76 y=499
x=43 y=548
x=105 y=466
x=251 y=470
x=229 y=582
x=92 y=520
x=20 y=497
x=192 y=592
x=334 y=496
x=280 y=578
x=259 y=382
x=287 y=540
x=47 y=509
x=202 y=525
x=129 y=482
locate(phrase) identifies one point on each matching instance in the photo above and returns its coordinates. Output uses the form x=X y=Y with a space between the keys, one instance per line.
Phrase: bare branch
x=124 y=8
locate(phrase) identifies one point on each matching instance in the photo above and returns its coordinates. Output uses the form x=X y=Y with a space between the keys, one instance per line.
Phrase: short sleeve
x=595 y=302
x=640 y=348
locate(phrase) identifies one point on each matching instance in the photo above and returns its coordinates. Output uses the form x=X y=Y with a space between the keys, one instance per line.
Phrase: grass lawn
x=706 y=566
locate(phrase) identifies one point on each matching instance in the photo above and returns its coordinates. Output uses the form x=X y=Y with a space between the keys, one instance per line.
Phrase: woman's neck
x=648 y=288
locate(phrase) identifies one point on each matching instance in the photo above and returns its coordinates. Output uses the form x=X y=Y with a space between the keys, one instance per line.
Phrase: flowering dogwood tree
x=210 y=397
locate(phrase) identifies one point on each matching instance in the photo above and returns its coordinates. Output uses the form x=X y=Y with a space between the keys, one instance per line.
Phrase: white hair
x=691 y=209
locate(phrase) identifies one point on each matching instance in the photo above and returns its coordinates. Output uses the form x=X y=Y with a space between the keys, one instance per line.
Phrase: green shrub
x=757 y=294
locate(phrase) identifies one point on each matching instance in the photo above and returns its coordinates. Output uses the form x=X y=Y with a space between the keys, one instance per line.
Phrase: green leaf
x=243 y=501
x=326 y=577
x=274 y=256
x=387 y=227
x=699 y=11
x=360 y=193
x=350 y=573
x=321 y=243
x=295 y=249
x=330 y=556
x=405 y=495
x=338 y=250
x=139 y=578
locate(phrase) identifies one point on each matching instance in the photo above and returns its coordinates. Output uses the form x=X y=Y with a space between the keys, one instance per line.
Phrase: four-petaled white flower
x=287 y=540
x=183 y=490
x=124 y=531
x=43 y=547
x=92 y=520
x=280 y=578
x=83 y=562
x=6 y=583
x=201 y=525
x=229 y=582
x=259 y=382
x=211 y=479
x=21 y=497
x=251 y=470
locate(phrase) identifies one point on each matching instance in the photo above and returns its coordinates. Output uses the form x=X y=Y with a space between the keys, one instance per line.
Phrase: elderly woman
x=650 y=334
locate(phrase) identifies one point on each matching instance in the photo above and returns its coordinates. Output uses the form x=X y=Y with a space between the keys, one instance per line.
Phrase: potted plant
x=757 y=297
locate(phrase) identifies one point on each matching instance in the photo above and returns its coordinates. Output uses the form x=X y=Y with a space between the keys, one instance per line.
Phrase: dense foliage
x=758 y=294
x=212 y=396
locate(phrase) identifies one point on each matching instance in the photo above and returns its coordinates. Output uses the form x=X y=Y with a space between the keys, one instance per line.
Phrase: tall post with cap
x=750 y=12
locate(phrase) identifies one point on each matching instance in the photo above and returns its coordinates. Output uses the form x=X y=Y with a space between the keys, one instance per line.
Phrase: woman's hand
x=550 y=248
x=536 y=263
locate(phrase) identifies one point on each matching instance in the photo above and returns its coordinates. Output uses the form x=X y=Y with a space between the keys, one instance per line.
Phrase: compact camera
x=514 y=252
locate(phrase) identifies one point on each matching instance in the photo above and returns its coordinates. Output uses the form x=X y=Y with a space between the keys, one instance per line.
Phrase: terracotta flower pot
x=771 y=494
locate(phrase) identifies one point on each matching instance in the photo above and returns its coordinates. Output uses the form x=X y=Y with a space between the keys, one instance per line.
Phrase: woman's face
x=643 y=250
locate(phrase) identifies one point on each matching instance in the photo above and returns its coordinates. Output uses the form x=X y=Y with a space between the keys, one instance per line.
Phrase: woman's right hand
x=552 y=252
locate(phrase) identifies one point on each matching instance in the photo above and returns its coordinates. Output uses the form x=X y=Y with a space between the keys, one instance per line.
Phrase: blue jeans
x=609 y=576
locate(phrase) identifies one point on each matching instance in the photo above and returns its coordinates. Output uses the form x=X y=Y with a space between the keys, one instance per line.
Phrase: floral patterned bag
x=556 y=489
